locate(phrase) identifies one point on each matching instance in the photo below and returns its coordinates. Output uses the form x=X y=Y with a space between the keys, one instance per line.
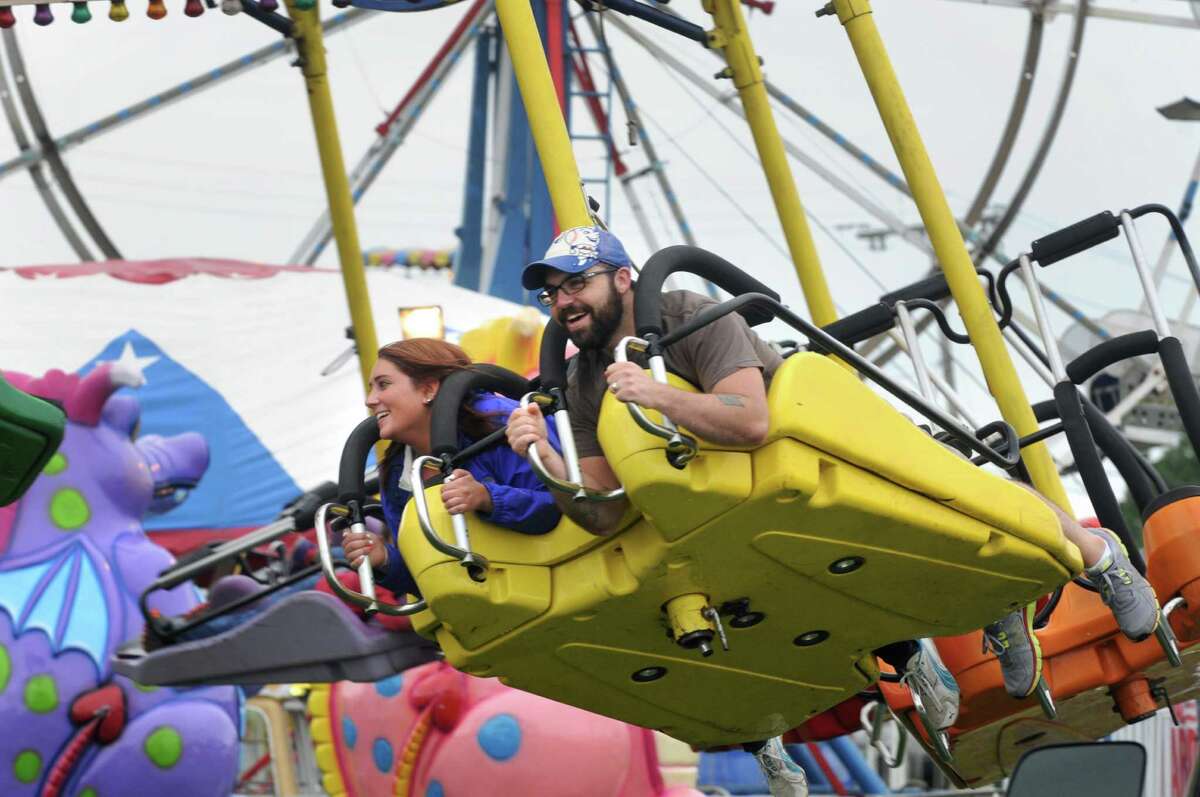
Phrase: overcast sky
x=232 y=171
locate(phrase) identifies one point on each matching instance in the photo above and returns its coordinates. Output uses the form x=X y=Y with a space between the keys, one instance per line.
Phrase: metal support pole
x=546 y=121
x=635 y=118
x=469 y=263
x=311 y=47
x=733 y=39
x=58 y=167
x=40 y=182
x=1169 y=245
x=998 y=368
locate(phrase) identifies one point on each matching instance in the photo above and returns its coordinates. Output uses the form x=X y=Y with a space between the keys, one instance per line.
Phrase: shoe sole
x=1028 y=614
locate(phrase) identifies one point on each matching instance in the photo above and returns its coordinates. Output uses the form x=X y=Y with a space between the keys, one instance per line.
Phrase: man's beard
x=606 y=319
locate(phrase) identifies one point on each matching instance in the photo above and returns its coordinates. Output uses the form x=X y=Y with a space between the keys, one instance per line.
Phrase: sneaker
x=1018 y=651
x=1125 y=591
x=785 y=778
x=933 y=685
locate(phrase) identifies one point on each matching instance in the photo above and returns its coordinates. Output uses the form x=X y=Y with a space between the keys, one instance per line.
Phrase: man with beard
x=586 y=281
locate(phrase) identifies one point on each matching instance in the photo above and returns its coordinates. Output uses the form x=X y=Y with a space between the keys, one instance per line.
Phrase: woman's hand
x=462 y=494
x=358 y=545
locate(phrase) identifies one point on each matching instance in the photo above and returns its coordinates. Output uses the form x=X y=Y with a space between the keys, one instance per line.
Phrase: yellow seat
x=929 y=545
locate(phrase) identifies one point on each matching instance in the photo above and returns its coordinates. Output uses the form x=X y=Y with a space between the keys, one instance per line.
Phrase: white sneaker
x=932 y=685
x=785 y=778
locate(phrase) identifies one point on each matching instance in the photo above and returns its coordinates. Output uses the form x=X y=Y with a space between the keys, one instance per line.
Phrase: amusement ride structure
x=747 y=588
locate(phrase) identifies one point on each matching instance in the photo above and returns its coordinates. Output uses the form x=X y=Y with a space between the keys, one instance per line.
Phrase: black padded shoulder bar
x=878 y=318
x=1183 y=387
x=354 y=458
x=933 y=288
x=1080 y=236
x=647 y=311
x=866 y=323
x=1091 y=468
x=552 y=359
x=454 y=391
x=1143 y=480
x=1111 y=351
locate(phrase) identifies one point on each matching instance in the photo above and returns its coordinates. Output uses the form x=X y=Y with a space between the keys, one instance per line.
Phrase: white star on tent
x=129 y=367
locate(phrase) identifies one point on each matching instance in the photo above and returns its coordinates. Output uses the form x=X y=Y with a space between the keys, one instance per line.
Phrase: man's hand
x=734 y=412
x=526 y=427
x=628 y=382
x=462 y=494
x=360 y=544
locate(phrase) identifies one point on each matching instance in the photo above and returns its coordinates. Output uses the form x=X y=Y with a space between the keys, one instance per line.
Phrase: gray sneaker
x=785 y=778
x=1018 y=651
x=1126 y=592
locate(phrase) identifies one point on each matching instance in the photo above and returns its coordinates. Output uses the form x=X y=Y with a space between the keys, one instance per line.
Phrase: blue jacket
x=520 y=501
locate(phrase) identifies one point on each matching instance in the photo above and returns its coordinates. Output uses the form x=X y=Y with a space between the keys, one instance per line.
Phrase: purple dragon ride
x=73 y=560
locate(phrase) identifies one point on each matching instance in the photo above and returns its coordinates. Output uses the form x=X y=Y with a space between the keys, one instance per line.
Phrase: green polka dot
x=27 y=766
x=5 y=667
x=88 y=792
x=56 y=465
x=41 y=695
x=164 y=746
x=144 y=687
x=69 y=509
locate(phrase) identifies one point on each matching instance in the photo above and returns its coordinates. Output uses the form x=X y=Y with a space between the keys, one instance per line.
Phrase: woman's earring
x=428 y=401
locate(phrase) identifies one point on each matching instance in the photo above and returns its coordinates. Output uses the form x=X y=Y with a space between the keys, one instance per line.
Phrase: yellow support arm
x=545 y=117
x=733 y=38
x=998 y=369
x=337 y=187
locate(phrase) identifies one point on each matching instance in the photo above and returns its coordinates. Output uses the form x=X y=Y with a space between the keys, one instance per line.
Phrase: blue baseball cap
x=575 y=251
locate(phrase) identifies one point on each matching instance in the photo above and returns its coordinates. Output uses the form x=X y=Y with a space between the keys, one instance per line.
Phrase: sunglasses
x=570 y=286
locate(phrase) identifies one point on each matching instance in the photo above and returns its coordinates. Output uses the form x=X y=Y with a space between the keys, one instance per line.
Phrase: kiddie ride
x=747 y=588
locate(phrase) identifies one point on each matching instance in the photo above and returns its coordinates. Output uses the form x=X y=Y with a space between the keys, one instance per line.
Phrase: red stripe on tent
x=158 y=272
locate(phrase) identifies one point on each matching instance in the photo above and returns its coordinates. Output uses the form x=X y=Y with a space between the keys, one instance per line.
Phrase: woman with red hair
x=497 y=484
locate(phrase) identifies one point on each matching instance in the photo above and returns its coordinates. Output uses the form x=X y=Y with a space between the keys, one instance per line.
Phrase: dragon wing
x=63 y=597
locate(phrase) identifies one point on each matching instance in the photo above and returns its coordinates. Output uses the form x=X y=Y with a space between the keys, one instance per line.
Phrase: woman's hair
x=426 y=360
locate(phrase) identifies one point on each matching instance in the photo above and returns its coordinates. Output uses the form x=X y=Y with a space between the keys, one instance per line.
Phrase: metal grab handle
x=681 y=448
x=366 y=573
x=475 y=564
x=574 y=482
x=872 y=718
x=371 y=603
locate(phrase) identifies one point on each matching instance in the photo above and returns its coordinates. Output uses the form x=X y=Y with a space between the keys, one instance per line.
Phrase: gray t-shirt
x=703 y=358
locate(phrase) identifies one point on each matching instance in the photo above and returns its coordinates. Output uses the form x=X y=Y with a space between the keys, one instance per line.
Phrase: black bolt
x=810 y=638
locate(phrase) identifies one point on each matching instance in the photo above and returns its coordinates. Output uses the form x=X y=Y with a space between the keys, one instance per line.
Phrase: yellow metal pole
x=337 y=187
x=733 y=38
x=998 y=369
x=545 y=116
